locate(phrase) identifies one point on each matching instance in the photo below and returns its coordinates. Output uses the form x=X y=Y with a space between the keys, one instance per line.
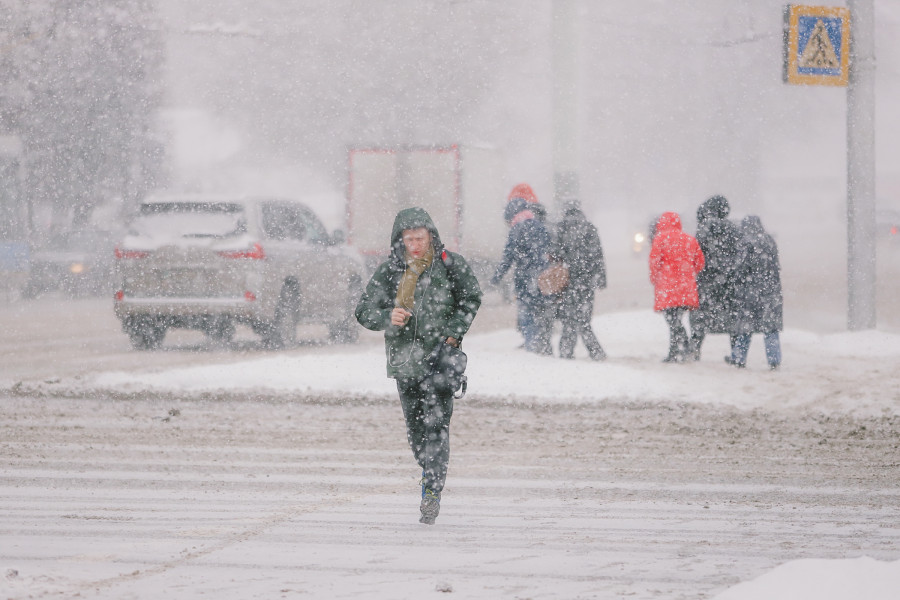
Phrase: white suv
x=208 y=263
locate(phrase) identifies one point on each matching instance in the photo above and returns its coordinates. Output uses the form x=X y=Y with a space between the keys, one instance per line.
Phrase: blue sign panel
x=817 y=45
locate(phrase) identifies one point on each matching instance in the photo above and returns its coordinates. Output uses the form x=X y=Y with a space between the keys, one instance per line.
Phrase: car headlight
x=637 y=244
x=77 y=268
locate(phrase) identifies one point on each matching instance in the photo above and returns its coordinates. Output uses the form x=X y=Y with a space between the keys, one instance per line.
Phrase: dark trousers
x=698 y=334
x=427 y=417
x=535 y=321
x=575 y=313
x=678 y=338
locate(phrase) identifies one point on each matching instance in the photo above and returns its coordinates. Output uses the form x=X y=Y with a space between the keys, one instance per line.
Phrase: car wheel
x=347 y=331
x=145 y=333
x=283 y=330
x=32 y=290
x=220 y=330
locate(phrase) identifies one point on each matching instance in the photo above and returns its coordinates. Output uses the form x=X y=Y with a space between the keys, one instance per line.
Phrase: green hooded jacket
x=447 y=297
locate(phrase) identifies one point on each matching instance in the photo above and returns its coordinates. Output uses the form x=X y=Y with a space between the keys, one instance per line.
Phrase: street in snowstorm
x=222 y=221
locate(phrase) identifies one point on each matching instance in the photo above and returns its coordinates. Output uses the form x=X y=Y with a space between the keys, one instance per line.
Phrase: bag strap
x=450 y=267
x=451 y=270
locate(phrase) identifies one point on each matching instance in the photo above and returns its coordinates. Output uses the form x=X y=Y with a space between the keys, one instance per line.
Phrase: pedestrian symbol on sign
x=817 y=43
x=819 y=52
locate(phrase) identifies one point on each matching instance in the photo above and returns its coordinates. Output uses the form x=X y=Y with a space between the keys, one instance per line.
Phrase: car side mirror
x=338 y=237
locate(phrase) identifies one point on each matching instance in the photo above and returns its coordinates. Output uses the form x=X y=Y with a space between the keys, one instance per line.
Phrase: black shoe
x=672 y=358
x=774 y=367
x=693 y=351
x=598 y=355
x=430 y=507
x=541 y=350
x=734 y=363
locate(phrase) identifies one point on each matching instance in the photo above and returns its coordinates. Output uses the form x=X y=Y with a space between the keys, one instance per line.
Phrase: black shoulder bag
x=448 y=370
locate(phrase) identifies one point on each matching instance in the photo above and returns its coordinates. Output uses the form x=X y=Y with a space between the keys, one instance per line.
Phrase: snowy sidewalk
x=843 y=372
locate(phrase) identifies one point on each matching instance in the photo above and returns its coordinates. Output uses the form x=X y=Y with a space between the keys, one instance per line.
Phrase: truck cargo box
x=463 y=188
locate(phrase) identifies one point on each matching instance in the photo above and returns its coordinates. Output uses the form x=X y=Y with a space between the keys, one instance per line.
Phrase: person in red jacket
x=675 y=260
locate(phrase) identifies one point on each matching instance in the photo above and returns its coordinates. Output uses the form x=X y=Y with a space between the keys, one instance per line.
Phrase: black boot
x=693 y=351
x=674 y=354
x=734 y=363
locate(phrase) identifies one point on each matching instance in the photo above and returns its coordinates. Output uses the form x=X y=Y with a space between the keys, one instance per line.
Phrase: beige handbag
x=553 y=279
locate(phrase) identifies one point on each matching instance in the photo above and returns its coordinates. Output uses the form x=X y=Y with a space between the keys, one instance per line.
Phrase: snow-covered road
x=236 y=473
x=297 y=497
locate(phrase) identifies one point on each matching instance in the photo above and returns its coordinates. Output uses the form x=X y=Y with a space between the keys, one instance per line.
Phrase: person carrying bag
x=424 y=298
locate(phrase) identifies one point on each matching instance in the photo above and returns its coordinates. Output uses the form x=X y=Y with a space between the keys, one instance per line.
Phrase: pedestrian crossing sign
x=816 y=45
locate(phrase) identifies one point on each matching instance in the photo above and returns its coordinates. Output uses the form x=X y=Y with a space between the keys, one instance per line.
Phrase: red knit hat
x=523 y=191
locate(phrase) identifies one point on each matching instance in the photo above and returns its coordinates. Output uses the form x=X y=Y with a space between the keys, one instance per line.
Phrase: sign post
x=565 y=103
x=861 y=272
x=823 y=46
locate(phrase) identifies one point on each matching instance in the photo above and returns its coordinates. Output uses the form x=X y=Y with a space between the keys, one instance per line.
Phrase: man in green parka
x=421 y=296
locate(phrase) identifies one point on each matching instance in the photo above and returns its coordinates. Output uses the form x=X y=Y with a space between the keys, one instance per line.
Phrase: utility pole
x=861 y=167
x=565 y=103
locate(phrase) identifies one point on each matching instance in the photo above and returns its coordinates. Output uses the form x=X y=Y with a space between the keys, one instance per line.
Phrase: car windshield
x=292 y=222
x=190 y=220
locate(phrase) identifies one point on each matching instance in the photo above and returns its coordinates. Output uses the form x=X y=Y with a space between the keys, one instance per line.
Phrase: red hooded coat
x=675 y=260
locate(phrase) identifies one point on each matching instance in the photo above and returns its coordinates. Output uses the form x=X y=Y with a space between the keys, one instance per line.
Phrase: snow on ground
x=822 y=580
x=846 y=372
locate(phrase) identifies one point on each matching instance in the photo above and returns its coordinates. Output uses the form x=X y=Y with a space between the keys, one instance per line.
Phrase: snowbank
x=812 y=579
x=847 y=372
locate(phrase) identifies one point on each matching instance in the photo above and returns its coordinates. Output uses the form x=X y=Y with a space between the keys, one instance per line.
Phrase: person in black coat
x=757 y=292
x=718 y=238
x=577 y=245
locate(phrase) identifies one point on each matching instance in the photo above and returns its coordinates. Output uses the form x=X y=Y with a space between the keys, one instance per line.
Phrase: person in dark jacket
x=718 y=238
x=758 y=299
x=675 y=260
x=527 y=247
x=422 y=296
x=577 y=246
